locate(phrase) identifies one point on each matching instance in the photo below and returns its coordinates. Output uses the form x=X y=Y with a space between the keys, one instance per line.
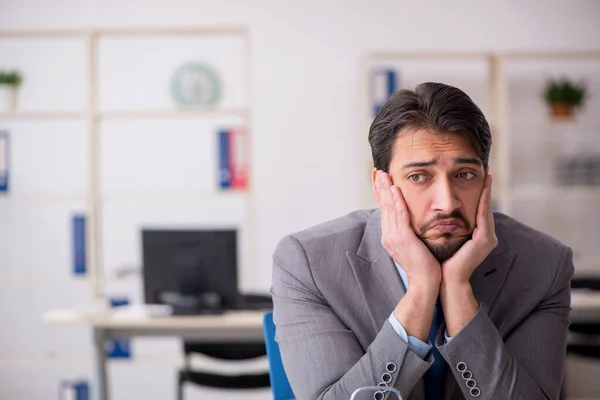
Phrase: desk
x=585 y=306
x=229 y=327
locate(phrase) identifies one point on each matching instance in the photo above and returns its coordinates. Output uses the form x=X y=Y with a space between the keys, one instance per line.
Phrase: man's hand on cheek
x=414 y=312
x=399 y=239
x=458 y=300
x=461 y=265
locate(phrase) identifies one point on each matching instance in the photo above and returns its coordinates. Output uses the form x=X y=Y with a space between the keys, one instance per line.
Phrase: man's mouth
x=447 y=225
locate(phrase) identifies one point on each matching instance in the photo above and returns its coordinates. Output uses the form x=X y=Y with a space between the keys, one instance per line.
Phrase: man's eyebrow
x=419 y=164
x=459 y=160
x=467 y=160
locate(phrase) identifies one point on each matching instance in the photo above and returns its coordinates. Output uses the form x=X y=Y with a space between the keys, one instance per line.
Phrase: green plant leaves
x=12 y=78
x=564 y=91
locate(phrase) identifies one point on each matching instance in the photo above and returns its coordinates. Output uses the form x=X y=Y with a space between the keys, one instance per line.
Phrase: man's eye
x=466 y=175
x=418 y=178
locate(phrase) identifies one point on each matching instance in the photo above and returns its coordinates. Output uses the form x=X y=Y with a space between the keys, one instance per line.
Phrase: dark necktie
x=434 y=378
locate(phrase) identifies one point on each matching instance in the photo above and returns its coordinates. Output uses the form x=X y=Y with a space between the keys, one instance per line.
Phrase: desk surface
x=585 y=300
x=230 y=326
x=582 y=303
x=585 y=306
x=230 y=320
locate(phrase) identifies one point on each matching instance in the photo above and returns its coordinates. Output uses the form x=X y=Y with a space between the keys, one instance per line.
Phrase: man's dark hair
x=433 y=106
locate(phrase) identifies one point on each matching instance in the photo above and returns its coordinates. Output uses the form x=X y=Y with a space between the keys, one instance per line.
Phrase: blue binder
x=120 y=347
x=4 y=162
x=79 y=251
x=74 y=390
x=224 y=161
x=384 y=83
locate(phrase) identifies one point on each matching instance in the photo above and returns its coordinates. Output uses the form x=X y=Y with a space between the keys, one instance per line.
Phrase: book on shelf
x=119 y=347
x=233 y=158
x=3 y=161
x=384 y=83
x=79 y=245
x=224 y=175
x=78 y=389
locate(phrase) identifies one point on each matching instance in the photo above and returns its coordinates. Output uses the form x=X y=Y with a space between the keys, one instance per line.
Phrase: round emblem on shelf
x=196 y=84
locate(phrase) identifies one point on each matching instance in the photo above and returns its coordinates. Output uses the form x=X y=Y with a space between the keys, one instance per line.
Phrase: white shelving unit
x=536 y=143
x=94 y=115
x=96 y=133
x=508 y=87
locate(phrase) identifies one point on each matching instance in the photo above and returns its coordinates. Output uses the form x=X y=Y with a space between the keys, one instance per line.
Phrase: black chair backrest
x=232 y=351
x=587 y=328
x=228 y=351
x=582 y=282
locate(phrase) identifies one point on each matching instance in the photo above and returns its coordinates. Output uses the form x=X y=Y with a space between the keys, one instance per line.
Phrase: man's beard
x=450 y=245
x=445 y=250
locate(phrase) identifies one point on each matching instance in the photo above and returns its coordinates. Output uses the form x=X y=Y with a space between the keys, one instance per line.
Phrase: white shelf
x=85 y=361
x=174 y=113
x=34 y=362
x=41 y=279
x=545 y=192
x=170 y=196
x=41 y=115
x=43 y=197
x=545 y=122
x=586 y=265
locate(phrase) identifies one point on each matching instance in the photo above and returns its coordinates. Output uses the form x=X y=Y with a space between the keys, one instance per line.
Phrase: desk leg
x=101 y=377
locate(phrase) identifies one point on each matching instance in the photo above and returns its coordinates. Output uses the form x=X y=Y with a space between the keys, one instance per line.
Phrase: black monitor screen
x=190 y=262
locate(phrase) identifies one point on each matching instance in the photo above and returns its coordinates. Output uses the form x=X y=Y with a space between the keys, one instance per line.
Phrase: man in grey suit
x=433 y=293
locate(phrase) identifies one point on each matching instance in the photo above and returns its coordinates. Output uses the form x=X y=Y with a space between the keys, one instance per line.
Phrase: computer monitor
x=190 y=263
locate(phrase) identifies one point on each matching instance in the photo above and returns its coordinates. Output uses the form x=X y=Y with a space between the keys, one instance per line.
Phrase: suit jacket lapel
x=377 y=277
x=489 y=277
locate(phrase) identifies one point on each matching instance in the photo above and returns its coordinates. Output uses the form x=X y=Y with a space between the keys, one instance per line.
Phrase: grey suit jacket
x=334 y=287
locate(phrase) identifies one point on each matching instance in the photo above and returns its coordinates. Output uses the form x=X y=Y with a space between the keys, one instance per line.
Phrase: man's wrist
x=455 y=280
x=459 y=304
x=458 y=287
x=429 y=286
x=415 y=310
x=423 y=295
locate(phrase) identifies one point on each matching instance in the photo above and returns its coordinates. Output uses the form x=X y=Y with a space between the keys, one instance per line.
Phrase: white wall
x=306 y=106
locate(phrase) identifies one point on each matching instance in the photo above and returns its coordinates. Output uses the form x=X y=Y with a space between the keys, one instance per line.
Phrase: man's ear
x=373 y=179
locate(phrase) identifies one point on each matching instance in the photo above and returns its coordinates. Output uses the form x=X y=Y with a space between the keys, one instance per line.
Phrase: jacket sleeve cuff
x=416 y=345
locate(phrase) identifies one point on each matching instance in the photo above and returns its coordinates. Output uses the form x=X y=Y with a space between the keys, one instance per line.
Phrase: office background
x=305 y=127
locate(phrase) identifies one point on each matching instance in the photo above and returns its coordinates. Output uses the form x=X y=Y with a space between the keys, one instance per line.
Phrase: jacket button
x=471 y=383
x=386 y=378
x=475 y=392
x=390 y=367
x=467 y=374
x=461 y=366
x=378 y=395
x=382 y=385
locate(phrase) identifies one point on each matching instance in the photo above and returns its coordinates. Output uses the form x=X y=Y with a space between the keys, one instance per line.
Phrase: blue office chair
x=279 y=381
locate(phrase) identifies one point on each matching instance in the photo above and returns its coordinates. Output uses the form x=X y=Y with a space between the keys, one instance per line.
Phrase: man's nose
x=445 y=201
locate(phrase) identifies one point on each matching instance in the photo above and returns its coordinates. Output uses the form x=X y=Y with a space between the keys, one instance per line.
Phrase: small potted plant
x=9 y=86
x=563 y=96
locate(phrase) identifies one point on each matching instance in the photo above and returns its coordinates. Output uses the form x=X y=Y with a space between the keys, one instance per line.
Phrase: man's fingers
x=485 y=216
x=386 y=202
x=484 y=205
x=490 y=213
x=402 y=216
x=490 y=192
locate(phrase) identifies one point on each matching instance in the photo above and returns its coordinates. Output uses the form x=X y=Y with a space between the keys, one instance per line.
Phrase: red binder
x=239 y=157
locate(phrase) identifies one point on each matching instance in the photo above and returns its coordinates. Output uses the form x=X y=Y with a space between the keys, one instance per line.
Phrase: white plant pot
x=8 y=98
